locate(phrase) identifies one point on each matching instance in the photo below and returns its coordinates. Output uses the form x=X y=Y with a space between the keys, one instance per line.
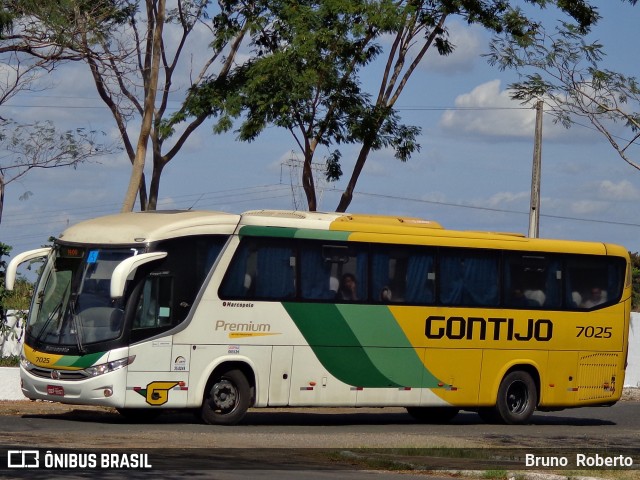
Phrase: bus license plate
x=55 y=390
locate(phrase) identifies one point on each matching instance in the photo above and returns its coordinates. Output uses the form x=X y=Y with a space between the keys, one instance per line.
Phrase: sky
x=473 y=171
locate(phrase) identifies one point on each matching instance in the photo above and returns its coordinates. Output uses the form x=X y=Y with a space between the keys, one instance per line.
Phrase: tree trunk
x=307 y=177
x=309 y=187
x=149 y=106
x=1 y=196
x=154 y=187
x=347 y=195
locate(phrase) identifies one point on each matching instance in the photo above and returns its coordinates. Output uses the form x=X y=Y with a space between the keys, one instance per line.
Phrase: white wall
x=10 y=342
x=632 y=378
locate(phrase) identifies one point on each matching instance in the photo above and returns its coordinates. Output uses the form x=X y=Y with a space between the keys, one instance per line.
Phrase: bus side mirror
x=12 y=268
x=124 y=269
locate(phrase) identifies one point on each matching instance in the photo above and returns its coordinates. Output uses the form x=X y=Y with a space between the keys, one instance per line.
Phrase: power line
x=238 y=196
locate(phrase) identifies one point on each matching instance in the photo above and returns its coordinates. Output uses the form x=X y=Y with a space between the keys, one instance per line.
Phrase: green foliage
x=69 y=23
x=6 y=22
x=561 y=68
x=635 y=281
x=308 y=56
x=20 y=297
x=10 y=361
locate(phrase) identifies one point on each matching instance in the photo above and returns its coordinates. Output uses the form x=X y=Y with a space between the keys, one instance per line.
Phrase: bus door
x=159 y=374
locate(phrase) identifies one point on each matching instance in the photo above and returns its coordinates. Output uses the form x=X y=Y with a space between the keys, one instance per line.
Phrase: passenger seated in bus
x=385 y=295
x=348 y=288
x=593 y=297
x=536 y=296
x=519 y=298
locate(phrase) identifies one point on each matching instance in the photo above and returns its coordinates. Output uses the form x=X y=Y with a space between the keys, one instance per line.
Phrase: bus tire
x=227 y=398
x=517 y=398
x=433 y=414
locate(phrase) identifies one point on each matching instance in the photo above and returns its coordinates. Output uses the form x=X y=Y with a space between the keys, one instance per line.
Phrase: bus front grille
x=58 y=374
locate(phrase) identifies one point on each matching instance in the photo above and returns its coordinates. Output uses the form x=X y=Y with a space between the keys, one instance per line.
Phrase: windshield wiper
x=76 y=325
x=57 y=310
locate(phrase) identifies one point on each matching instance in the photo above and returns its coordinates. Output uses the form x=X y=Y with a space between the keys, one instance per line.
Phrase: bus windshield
x=72 y=303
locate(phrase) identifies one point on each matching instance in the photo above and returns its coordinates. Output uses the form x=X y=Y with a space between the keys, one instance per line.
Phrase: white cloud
x=488 y=111
x=507 y=200
x=468 y=43
x=588 y=207
x=621 y=191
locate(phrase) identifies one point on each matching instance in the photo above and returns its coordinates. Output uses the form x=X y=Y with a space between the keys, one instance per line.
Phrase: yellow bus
x=220 y=312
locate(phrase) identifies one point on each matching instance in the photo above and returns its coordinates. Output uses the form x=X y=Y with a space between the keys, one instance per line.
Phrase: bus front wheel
x=226 y=399
x=517 y=398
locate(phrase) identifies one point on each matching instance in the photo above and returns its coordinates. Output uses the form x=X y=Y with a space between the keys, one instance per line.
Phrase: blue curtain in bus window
x=212 y=254
x=275 y=275
x=480 y=281
x=361 y=273
x=451 y=280
x=379 y=275
x=553 y=286
x=235 y=284
x=315 y=275
x=418 y=290
x=468 y=280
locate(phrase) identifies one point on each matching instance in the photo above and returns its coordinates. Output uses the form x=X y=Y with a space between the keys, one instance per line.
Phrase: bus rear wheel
x=226 y=399
x=433 y=414
x=517 y=398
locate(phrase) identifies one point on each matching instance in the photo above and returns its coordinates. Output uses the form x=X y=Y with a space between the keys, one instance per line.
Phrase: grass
x=10 y=361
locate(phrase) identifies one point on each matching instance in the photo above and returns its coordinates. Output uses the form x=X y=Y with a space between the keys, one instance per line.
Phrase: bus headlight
x=24 y=363
x=109 y=366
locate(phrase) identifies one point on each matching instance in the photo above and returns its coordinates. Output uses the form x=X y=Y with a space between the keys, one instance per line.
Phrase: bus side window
x=404 y=276
x=317 y=281
x=593 y=281
x=420 y=278
x=468 y=278
x=531 y=281
x=154 y=305
x=325 y=267
x=261 y=269
x=238 y=280
x=275 y=272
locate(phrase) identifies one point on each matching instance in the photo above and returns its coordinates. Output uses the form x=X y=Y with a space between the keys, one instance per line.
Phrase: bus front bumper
x=106 y=390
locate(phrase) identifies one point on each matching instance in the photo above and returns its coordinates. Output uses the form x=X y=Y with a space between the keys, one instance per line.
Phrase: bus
x=219 y=313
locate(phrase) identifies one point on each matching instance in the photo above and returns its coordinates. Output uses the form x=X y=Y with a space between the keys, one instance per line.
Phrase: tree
x=127 y=46
x=329 y=45
x=563 y=70
x=635 y=275
x=40 y=144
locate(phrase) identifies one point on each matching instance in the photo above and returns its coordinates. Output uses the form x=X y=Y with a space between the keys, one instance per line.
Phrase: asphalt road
x=284 y=443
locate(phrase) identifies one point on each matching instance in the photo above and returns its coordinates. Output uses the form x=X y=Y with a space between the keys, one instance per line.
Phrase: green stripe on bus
x=284 y=232
x=386 y=344
x=335 y=344
x=361 y=345
x=79 y=362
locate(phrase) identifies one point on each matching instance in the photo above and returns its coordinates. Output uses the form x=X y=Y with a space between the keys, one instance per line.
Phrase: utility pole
x=534 y=211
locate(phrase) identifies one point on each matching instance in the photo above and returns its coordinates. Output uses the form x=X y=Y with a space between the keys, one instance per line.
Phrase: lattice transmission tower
x=294 y=165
